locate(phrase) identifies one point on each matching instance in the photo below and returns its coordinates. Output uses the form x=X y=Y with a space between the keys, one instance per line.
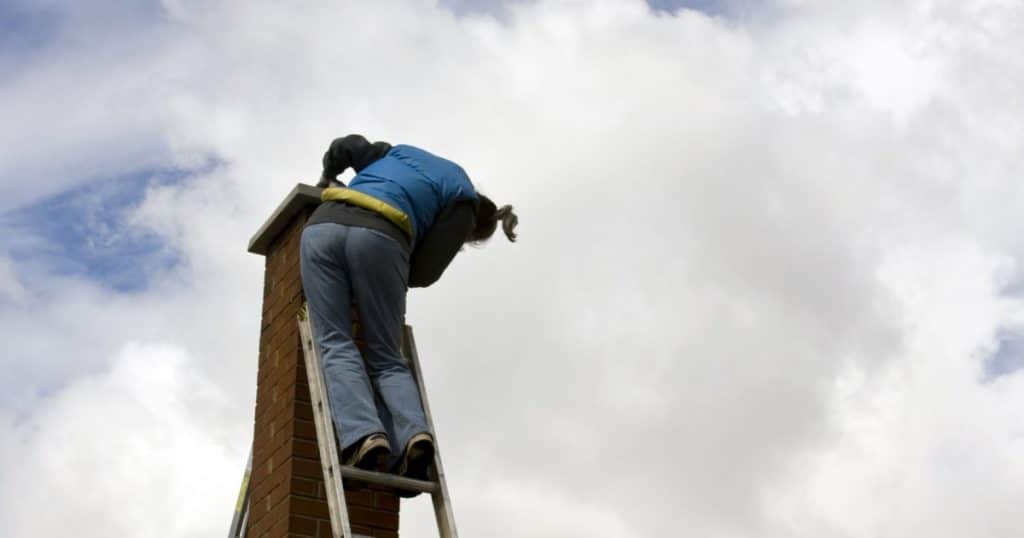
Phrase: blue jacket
x=415 y=182
x=424 y=202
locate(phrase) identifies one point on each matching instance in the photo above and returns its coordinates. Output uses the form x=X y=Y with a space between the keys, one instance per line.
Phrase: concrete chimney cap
x=301 y=197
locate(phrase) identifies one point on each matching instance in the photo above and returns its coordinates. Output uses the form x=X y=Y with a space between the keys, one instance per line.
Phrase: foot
x=416 y=462
x=372 y=453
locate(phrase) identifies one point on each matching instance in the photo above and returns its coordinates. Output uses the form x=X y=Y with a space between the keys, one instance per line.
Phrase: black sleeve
x=441 y=243
x=353 y=150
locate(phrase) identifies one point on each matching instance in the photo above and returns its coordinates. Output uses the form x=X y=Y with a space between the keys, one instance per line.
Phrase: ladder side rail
x=442 y=502
x=241 y=515
x=244 y=530
x=329 y=460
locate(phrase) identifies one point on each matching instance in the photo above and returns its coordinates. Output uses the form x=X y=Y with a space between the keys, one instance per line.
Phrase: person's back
x=417 y=182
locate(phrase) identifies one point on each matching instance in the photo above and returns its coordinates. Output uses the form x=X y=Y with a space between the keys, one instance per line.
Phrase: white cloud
x=922 y=432
x=128 y=452
x=11 y=288
x=91 y=103
x=759 y=272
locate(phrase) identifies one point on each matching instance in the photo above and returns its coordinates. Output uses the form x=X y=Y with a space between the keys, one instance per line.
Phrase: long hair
x=487 y=217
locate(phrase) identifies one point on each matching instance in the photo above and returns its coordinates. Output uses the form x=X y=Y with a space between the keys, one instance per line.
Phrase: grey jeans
x=345 y=266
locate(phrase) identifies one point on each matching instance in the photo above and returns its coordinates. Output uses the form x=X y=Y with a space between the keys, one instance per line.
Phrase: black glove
x=353 y=150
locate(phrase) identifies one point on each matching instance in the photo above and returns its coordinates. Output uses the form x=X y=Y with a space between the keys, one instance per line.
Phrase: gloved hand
x=338 y=156
x=329 y=182
x=353 y=150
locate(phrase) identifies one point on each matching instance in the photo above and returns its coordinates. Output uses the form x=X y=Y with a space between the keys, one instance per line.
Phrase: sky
x=768 y=283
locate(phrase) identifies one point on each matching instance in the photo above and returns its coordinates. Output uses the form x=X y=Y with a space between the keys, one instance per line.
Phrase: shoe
x=372 y=454
x=417 y=461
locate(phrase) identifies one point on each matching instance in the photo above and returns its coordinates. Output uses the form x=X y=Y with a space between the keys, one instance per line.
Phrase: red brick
x=274 y=489
x=268 y=409
x=359 y=529
x=271 y=451
x=271 y=434
x=267 y=489
x=302 y=392
x=275 y=516
x=309 y=507
x=290 y=284
x=303 y=411
x=305 y=429
x=275 y=328
x=302 y=525
x=279 y=324
x=360 y=497
x=325 y=530
x=284 y=308
x=279 y=458
x=280 y=528
x=307 y=468
x=374 y=518
x=286 y=374
x=306 y=449
x=286 y=340
x=386 y=501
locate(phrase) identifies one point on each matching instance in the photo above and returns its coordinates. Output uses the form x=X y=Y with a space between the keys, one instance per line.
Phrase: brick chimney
x=287 y=496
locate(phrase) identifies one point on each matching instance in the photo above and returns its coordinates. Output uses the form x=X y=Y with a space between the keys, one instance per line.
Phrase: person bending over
x=398 y=224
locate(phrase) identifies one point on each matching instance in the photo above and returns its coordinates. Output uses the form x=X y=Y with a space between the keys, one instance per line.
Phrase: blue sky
x=81 y=231
x=23 y=29
x=1008 y=357
x=87 y=233
x=27 y=26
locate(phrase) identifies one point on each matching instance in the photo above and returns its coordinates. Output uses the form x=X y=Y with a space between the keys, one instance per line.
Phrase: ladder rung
x=387 y=479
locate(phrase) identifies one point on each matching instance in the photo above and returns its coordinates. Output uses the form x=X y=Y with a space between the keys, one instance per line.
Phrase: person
x=398 y=224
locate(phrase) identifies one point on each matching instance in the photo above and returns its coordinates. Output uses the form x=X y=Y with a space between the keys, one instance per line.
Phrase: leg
x=325 y=281
x=380 y=272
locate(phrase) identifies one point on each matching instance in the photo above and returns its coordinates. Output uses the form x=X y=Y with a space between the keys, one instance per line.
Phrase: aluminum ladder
x=334 y=472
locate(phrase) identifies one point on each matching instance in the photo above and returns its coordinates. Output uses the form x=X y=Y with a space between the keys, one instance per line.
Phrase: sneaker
x=417 y=461
x=372 y=454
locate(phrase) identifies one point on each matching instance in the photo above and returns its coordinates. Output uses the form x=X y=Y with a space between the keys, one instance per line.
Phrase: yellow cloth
x=365 y=201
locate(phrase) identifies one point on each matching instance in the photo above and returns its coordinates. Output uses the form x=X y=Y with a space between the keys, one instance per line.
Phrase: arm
x=353 y=150
x=441 y=243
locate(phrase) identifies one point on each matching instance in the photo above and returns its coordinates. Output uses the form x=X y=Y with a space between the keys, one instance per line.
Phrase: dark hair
x=487 y=217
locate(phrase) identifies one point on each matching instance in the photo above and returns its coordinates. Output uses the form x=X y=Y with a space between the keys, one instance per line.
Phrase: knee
x=388 y=362
x=340 y=353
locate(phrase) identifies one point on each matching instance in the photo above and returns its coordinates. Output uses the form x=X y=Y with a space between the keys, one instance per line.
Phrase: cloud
x=135 y=439
x=81 y=104
x=922 y=432
x=763 y=261
x=11 y=288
